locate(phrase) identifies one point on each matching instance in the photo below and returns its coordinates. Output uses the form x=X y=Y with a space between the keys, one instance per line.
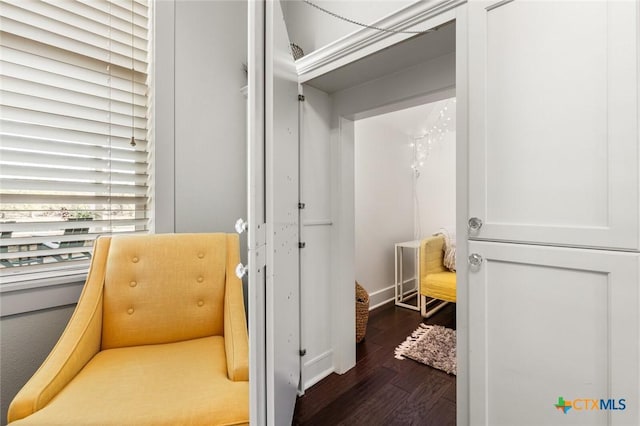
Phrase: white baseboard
x=318 y=368
x=384 y=295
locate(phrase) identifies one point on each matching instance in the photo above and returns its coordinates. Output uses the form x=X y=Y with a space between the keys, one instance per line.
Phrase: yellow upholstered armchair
x=437 y=283
x=159 y=337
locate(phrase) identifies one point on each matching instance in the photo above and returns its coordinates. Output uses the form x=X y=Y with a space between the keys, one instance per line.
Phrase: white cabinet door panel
x=549 y=322
x=273 y=196
x=553 y=123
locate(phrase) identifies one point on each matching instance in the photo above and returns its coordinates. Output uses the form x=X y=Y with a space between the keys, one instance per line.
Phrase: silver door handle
x=241 y=270
x=241 y=226
x=475 y=260
x=475 y=224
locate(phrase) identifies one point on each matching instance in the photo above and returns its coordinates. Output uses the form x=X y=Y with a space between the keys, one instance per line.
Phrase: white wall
x=383 y=204
x=311 y=28
x=436 y=187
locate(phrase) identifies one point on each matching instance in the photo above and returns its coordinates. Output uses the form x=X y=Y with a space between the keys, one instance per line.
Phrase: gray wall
x=200 y=153
x=25 y=341
x=200 y=115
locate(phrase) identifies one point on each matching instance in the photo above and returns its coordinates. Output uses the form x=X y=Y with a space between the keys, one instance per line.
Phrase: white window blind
x=73 y=93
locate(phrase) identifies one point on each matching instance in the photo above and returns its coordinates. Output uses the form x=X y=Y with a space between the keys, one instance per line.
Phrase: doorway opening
x=405 y=191
x=404 y=180
x=336 y=105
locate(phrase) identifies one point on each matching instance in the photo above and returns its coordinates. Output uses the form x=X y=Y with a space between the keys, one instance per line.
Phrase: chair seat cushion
x=182 y=383
x=441 y=285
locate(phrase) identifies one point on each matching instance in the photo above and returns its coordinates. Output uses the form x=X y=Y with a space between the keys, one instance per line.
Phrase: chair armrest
x=79 y=342
x=236 y=339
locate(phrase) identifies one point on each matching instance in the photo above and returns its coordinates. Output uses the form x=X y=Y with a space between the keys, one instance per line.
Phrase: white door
x=282 y=214
x=553 y=121
x=273 y=218
x=548 y=323
x=553 y=161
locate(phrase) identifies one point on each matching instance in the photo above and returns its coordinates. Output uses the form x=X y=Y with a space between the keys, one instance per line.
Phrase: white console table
x=413 y=282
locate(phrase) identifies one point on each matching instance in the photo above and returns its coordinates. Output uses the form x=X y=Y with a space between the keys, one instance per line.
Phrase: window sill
x=34 y=295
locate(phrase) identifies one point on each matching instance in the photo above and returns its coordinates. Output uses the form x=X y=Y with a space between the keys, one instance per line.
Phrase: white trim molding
x=319 y=367
x=381 y=297
x=424 y=13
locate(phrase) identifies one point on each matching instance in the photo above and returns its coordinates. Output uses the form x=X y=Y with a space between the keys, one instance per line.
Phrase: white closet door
x=273 y=266
x=549 y=322
x=282 y=219
x=553 y=121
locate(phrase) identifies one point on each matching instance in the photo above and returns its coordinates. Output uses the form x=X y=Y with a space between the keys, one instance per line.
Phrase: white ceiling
x=415 y=121
x=400 y=56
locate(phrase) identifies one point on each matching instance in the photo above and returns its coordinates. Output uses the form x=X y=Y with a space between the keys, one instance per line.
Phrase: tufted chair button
x=200 y=303
x=200 y=255
x=133 y=284
x=130 y=311
x=135 y=259
x=200 y=279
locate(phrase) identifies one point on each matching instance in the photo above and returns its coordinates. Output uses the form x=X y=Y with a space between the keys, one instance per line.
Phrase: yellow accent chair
x=437 y=283
x=159 y=337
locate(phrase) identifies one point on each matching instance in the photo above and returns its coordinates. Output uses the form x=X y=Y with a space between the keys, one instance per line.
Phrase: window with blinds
x=73 y=131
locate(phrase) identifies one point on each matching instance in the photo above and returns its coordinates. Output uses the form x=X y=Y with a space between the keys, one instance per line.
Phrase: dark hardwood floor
x=382 y=390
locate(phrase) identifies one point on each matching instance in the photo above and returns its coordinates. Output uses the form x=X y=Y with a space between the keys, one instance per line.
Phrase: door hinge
x=303 y=352
x=302 y=245
x=301 y=206
x=301 y=98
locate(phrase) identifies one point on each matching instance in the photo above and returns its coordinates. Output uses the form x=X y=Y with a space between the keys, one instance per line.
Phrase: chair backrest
x=432 y=255
x=164 y=288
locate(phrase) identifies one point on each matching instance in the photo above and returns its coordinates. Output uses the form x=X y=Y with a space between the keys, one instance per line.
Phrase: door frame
x=343 y=232
x=462 y=215
x=256 y=239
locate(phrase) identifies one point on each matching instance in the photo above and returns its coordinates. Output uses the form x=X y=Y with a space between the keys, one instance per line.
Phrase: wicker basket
x=296 y=51
x=362 y=312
